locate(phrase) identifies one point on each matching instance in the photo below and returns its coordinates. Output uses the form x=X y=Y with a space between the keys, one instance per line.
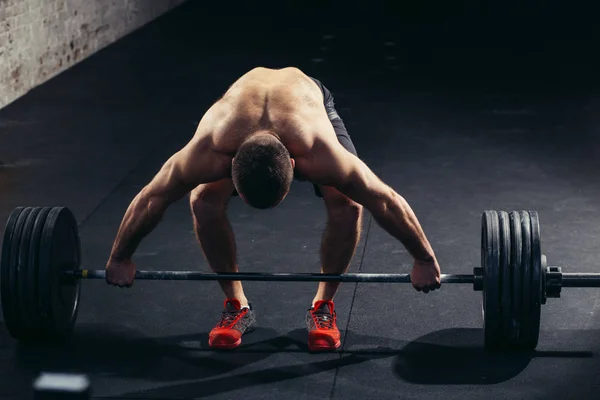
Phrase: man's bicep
x=336 y=167
x=362 y=185
x=170 y=183
x=191 y=166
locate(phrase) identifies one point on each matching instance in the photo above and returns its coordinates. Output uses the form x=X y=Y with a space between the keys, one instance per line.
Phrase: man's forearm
x=142 y=216
x=395 y=216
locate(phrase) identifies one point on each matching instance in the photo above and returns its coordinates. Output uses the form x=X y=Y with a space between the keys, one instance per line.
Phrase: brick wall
x=40 y=38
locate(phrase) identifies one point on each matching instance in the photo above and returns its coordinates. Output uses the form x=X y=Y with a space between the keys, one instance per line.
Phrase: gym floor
x=456 y=122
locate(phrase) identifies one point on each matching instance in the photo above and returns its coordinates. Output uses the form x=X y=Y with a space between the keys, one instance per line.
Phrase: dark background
x=544 y=41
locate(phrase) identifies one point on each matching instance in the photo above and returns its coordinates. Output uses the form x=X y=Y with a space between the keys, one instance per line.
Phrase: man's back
x=285 y=102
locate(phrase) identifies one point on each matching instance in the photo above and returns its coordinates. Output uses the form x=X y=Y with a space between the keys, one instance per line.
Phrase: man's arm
x=193 y=165
x=330 y=164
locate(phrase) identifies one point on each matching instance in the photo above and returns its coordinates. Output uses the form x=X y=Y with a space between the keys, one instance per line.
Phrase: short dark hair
x=262 y=171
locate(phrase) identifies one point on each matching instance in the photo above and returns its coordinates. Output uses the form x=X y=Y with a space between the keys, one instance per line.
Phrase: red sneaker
x=234 y=322
x=323 y=333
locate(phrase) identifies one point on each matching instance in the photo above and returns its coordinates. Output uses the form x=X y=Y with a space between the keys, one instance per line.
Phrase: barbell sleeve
x=581 y=280
x=257 y=276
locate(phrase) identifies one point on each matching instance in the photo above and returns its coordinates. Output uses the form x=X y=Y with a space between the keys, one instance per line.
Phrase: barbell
x=40 y=276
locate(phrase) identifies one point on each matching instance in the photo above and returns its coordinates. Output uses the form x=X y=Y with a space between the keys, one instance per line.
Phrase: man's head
x=262 y=171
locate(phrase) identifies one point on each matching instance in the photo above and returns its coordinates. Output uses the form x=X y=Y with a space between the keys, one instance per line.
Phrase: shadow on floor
x=109 y=351
x=446 y=357
x=116 y=351
x=458 y=357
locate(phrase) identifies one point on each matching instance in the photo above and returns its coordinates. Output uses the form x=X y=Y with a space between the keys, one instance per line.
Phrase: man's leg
x=342 y=233
x=341 y=236
x=213 y=230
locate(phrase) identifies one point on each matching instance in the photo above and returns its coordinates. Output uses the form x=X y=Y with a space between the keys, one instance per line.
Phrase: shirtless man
x=270 y=126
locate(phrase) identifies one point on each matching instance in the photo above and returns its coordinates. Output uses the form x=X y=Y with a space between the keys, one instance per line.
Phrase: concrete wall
x=40 y=38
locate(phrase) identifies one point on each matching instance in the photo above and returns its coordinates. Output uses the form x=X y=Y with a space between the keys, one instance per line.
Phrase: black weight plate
x=14 y=278
x=59 y=295
x=526 y=284
x=30 y=303
x=9 y=302
x=516 y=243
x=491 y=265
x=537 y=289
x=505 y=287
x=24 y=287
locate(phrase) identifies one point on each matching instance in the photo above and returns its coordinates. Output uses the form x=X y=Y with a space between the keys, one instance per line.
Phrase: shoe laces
x=323 y=319
x=229 y=317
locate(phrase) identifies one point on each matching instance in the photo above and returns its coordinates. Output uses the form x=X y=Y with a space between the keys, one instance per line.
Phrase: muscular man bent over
x=269 y=127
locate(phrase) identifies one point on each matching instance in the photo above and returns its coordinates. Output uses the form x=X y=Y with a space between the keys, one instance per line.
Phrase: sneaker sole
x=226 y=346
x=230 y=346
x=324 y=348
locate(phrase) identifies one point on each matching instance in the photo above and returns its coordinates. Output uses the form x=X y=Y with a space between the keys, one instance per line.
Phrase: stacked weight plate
x=38 y=301
x=512 y=279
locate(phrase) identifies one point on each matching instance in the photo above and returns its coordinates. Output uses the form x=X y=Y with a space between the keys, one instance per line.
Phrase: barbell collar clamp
x=554 y=282
x=478 y=279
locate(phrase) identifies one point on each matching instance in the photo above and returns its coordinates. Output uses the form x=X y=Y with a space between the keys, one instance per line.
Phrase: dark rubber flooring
x=458 y=113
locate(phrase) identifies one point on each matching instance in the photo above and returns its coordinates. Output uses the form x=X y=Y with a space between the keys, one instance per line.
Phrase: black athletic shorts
x=338 y=126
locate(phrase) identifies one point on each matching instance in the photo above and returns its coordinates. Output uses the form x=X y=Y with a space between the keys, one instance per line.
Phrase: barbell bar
x=572 y=280
x=259 y=276
x=40 y=276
